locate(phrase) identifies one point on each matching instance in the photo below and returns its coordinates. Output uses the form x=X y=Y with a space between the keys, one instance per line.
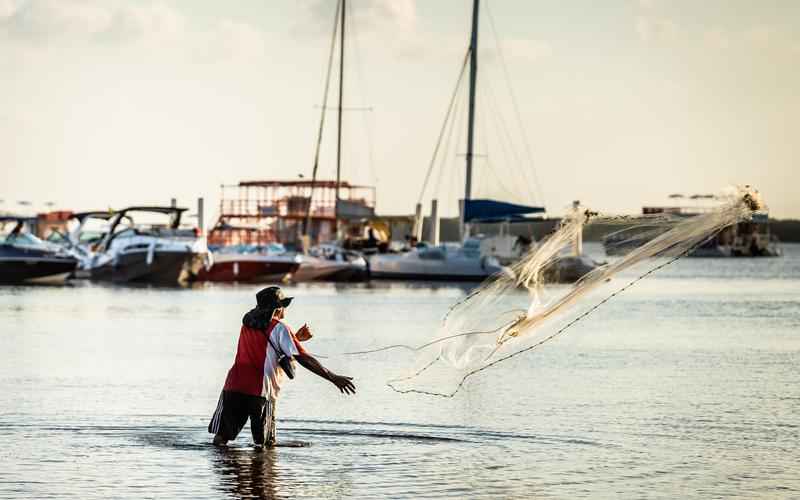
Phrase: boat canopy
x=483 y=210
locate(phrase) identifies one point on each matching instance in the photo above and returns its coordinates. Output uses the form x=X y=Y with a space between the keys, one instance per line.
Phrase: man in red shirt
x=253 y=382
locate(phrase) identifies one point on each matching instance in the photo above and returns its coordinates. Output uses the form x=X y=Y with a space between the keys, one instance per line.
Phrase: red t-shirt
x=247 y=373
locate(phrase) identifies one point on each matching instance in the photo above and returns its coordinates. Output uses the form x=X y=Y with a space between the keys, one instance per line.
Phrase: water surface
x=687 y=385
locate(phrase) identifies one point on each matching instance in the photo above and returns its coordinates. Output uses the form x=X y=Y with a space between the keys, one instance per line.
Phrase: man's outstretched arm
x=310 y=363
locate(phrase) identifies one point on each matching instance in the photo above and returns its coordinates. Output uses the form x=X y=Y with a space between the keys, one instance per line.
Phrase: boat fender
x=209 y=260
x=151 y=250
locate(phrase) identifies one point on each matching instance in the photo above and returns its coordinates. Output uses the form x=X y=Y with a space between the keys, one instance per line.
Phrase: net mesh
x=514 y=313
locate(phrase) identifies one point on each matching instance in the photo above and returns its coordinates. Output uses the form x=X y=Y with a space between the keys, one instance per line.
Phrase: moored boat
x=436 y=263
x=328 y=262
x=746 y=239
x=26 y=258
x=251 y=263
x=158 y=253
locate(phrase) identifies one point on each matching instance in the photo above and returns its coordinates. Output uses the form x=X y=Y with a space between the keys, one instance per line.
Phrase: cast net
x=514 y=313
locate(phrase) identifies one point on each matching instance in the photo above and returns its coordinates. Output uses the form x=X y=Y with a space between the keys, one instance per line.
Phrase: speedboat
x=133 y=251
x=253 y=263
x=329 y=262
x=26 y=258
x=621 y=242
x=436 y=263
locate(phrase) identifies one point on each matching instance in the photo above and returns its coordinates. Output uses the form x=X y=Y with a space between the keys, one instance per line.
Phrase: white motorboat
x=152 y=253
x=447 y=262
x=328 y=262
x=25 y=258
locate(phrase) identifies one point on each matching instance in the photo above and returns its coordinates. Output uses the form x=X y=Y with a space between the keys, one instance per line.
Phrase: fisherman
x=253 y=382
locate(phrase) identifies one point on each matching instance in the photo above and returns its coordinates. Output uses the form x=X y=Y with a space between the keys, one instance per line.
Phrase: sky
x=107 y=103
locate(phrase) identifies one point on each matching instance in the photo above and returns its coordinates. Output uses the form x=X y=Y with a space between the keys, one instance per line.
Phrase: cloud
x=87 y=21
x=44 y=20
x=154 y=27
x=653 y=29
x=7 y=8
x=234 y=40
x=368 y=16
x=717 y=38
x=755 y=38
x=137 y=22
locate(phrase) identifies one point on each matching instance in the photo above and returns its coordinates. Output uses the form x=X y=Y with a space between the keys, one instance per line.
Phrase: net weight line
x=550 y=337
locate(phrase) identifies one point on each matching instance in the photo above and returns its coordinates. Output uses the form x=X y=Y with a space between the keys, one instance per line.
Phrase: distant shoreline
x=786 y=230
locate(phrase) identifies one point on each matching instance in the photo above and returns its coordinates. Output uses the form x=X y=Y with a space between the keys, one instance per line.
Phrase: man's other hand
x=304 y=333
x=345 y=384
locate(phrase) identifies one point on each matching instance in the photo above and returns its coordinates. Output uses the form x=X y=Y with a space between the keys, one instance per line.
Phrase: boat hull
x=338 y=272
x=20 y=265
x=428 y=276
x=411 y=268
x=163 y=268
x=248 y=270
x=35 y=269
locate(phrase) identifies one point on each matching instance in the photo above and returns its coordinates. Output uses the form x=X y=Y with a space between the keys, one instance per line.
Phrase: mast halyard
x=341 y=91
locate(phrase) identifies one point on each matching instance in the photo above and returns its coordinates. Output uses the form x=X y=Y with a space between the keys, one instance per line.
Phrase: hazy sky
x=109 y=102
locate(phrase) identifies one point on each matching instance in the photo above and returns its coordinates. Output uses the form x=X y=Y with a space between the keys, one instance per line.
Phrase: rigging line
x=514 y=160
x=322 y=116
x=556 y=333
x=367 y=120
x=505 y=134
x=513 y=195
x=506 y=140
x=448 y=140
x=489 y=166
x=444 y=125
x=517 y=113
x=457 y=180
x=508 y=158
x=448 y=163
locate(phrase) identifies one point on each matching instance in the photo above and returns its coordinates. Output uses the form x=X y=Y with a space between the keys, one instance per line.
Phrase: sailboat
x=463 y=262
x=330 y=262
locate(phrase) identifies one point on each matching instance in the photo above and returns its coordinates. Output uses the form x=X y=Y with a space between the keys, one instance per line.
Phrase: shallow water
x=686 y=385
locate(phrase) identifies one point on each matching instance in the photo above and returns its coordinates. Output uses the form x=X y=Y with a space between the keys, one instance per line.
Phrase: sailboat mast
x=473 y=74
x=341 y=92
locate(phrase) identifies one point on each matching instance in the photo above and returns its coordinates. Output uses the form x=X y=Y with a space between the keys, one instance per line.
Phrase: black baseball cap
x=272 y=297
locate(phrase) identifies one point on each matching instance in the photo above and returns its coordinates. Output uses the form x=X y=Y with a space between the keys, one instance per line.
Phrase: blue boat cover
x=492 y=210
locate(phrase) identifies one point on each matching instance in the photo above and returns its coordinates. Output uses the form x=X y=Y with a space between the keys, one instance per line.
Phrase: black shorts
x=233 y=410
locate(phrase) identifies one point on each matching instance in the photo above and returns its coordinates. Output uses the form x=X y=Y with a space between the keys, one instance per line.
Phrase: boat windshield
x=21 y=240
x=151 y=223
x=92 y=230
x=269 y=249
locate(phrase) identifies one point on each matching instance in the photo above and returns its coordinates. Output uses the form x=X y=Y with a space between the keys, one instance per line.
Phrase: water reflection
x=247 y=473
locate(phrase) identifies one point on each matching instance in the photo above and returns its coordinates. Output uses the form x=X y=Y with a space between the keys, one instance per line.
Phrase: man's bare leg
x=219 y=440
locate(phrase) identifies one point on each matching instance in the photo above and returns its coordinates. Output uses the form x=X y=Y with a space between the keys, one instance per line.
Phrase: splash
x=512 y=313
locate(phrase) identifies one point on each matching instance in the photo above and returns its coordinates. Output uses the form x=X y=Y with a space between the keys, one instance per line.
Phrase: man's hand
x=304 y=333
x=345 y=384
x=309 y=362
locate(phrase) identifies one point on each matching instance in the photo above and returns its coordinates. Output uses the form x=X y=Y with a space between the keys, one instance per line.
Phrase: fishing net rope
x=497 y=322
